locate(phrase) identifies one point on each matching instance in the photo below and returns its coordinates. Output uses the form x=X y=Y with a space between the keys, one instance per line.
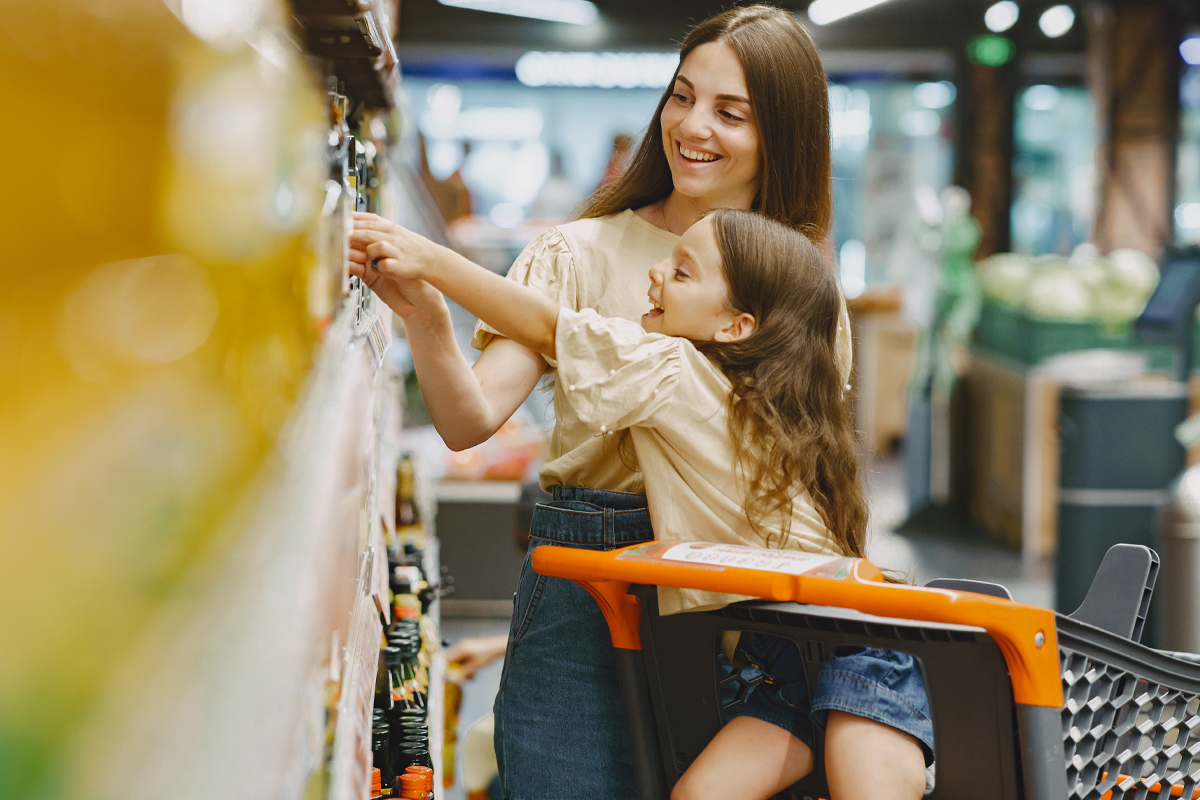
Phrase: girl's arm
x=466 y=403
x=516 y=312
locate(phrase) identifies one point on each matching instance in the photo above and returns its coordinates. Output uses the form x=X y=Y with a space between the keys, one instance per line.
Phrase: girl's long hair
x=789 y=411
x=789 y=101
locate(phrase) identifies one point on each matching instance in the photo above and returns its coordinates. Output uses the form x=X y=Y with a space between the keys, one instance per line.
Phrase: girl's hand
x=389 y=259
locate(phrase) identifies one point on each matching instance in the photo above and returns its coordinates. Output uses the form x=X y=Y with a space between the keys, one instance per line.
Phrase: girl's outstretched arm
x=517 y=312
x=467 y=403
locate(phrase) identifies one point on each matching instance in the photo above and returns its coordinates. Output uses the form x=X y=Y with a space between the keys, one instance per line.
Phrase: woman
x=744 y=124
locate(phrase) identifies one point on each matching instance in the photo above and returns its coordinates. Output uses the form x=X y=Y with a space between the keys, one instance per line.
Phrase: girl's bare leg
x=865 y=760
x=748 y=759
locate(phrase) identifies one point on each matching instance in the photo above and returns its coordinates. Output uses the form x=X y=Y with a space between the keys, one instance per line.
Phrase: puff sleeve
x=614 y=374
x=546 y=264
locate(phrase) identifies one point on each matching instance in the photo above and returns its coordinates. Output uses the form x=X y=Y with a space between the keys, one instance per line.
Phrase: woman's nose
x=695 y=123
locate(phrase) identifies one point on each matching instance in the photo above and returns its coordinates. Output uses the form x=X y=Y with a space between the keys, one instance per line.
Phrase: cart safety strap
x=1025 y=633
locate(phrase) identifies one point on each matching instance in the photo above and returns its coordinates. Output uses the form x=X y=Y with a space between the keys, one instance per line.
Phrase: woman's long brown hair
x=789 y=101
x=789 y=412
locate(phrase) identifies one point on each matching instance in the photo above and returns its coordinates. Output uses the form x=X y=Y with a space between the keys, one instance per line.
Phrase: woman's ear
x=739 y=327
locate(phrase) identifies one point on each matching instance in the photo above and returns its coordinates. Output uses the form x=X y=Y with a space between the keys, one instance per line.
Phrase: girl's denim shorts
x=881 y=685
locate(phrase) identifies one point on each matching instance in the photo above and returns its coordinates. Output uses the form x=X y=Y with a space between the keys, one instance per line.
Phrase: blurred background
x=198 y=486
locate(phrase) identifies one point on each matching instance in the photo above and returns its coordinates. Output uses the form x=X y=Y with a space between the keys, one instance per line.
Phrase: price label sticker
x=788 y=562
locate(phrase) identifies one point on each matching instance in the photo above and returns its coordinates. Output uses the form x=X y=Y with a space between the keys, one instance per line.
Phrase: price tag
x=788 y=562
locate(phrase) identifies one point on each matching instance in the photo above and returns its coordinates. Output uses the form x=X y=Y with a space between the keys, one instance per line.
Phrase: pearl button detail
x=612 y=372
x=604 y=429
x=571 y=388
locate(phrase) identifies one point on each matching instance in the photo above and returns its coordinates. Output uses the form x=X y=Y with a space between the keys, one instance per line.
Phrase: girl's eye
x=680 y=273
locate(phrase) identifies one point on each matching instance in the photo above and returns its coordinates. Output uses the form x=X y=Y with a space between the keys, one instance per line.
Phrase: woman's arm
x=516 y=312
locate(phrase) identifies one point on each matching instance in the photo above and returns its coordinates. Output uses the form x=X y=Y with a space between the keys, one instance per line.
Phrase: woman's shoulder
x=612 y=232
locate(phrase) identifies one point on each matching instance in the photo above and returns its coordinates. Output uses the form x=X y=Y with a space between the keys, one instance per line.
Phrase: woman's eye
x=680 y=97
x=732 y=117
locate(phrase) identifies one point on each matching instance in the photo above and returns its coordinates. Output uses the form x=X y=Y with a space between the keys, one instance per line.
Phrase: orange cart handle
x=1025 y=633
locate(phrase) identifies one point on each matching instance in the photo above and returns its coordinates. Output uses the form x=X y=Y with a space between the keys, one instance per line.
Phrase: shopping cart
x=1026 y=703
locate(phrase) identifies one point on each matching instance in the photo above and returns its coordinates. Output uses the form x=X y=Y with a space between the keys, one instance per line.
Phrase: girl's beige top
x=674 y=401
x=601 y=264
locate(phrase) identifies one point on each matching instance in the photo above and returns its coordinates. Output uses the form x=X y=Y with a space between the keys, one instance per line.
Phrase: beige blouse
x=674 y=401
x=600 y=264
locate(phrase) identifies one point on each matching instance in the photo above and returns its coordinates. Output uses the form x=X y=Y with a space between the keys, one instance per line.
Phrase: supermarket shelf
x=477 y=491
x=356 y=36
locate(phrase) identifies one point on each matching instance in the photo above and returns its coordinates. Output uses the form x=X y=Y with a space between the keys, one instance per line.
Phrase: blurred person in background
x=743 y=124
x=558 y=198
x=618 y=159
x=451 y=196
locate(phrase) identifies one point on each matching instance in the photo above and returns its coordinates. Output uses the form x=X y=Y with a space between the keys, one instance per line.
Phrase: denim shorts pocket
x=572 y=507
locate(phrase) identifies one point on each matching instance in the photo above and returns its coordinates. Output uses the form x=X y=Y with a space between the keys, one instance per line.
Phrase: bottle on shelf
x=408 y=518
x=381 y=757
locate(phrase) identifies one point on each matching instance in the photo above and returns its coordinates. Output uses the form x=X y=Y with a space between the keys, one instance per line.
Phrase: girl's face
x=710 y=138
x=689 y=296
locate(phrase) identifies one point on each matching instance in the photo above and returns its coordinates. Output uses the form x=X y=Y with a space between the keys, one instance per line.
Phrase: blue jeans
x=881 y=685
x=560 y=725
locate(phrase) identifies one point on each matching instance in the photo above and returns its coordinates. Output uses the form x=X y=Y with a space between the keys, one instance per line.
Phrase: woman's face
x=709 y=135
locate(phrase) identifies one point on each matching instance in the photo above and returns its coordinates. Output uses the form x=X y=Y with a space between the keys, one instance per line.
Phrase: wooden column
x=1134 y=79
x=986 y=152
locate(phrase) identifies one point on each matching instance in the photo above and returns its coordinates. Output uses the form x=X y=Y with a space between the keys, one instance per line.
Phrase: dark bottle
x=381 y=758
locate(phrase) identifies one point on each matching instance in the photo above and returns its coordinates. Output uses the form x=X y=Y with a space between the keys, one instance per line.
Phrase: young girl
x=732 y=394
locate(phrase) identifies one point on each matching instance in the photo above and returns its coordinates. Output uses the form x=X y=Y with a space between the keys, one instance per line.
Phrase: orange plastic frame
x=1025 y=634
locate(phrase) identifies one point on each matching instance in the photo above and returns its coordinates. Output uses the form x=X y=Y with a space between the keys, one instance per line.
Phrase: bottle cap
x=376 y=782
x=426 y=774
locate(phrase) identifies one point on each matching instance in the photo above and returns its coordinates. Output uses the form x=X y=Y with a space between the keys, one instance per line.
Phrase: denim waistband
x=623 y=501
x=592 y=518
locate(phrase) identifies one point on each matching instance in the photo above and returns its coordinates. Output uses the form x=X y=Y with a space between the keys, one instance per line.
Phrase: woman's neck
x=676 y=212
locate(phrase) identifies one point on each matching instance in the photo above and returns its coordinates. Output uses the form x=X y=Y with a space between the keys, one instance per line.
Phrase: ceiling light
x=1001 y=16
x=603 y=70
x=1189 y=48
x=575 y=12
x=823 y=12
x=1056 y=21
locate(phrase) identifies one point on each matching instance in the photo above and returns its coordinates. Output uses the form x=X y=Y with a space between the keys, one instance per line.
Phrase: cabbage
x=1115 y=305
x=1005 y=277
x=1058 y=294
x=1134 y=271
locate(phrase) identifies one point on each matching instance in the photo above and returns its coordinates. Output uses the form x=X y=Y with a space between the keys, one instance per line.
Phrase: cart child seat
x=1026 y=703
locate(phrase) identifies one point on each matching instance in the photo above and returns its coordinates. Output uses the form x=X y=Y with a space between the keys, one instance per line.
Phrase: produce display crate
x=1013 y=333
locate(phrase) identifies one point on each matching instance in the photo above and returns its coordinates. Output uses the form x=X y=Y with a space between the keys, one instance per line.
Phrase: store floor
x=929 y=547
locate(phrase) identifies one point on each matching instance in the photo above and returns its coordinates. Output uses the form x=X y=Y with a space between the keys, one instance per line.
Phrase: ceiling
x=655 y=24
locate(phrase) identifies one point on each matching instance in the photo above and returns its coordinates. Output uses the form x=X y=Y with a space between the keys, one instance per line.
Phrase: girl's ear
x=739 y=328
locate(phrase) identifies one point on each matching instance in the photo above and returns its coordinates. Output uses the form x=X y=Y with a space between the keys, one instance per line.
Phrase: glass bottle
x=381 y=758
x=408 y=517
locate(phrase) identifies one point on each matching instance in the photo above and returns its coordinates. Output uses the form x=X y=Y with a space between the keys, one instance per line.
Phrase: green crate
x=1011 y=332
x=1003 y=330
